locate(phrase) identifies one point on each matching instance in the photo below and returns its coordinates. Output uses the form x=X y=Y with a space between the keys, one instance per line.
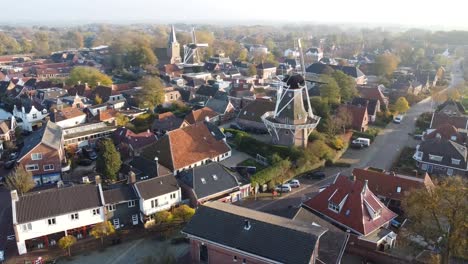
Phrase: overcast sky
x=443 y=14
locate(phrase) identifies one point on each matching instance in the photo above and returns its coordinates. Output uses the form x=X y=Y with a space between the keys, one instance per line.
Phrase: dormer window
x=453 y=138
x=456 y=161
x=435 y=158
x=334 y=207
x=203 y=180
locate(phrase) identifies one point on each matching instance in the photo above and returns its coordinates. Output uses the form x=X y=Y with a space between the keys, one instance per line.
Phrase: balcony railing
x=311 y=123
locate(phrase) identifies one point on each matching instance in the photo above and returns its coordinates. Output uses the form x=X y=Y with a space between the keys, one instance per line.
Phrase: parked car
x=418 y=136
x=365 y=142
x=294 y=183
x=318 y=175
x=85 y=162
x=9 y=164
x=89 y=153
x=283 y=188
x=398 y=119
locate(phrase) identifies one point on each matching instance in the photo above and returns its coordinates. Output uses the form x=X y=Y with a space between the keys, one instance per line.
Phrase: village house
x=202 y=114
x=250 y=117
x=351 y=206
x=212 y=182
x=121 y=206
x=132 y=144
x=7 y=129
x=266 y=70
x=170 y=96
x=43 y=154
x=190 y=146
x=358 y=114
x=373 y=92
x=314 y=54
x=166 y=122
x=40 y=219
x=29 y=115
x=391 y=187
x=318 y=69
x=87 y=134
x=68 y=116
x=373 y=106
x=156 y=195
x=225 y=233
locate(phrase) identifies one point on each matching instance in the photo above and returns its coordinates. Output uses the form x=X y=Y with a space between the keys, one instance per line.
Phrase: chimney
x=247 y=225
x=131 y=178
x=14 y=196
x=156 y=160
x=97 y=179
x=79 y=82
x=98 y=83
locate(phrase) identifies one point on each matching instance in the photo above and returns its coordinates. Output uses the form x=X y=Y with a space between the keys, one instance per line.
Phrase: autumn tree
x=252 y=70
x=108 y=162
x=152 y=93
x=89 y=75
x=440 y=214
x=183 y=212
x=121 y=119
x=346 y=84
x=453 y=94
x=342 y=120
x=329 y=90
x=401 y=105
x=102 y=230
x=163 y=217
x=20 y=180
x=66 y=243
x=386 y=64
x=243 y=55
x=97 y=99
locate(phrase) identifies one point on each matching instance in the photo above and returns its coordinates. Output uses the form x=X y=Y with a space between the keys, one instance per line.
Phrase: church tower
x=173 y=48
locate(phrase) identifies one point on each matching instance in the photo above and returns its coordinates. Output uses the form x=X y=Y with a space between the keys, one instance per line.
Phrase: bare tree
x=20 y=180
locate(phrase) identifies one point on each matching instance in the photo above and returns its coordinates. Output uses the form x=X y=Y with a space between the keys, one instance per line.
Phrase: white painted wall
x=164 y=203
x=62 y=223
x=28 y=118
x=72 y=121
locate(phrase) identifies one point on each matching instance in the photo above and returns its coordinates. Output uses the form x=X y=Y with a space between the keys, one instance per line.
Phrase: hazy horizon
x=399 y=13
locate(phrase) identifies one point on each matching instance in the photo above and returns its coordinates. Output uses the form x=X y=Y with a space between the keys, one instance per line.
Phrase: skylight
x=203 y=180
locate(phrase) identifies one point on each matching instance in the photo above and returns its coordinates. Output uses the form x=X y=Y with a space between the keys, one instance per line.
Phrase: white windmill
x=191 y=55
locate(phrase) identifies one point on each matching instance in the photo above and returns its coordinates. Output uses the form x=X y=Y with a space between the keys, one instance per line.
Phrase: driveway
x=236 y=158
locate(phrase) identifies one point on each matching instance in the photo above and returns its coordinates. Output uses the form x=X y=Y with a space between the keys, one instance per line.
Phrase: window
x=449 y=172
x=398 y=189
x=48 y=167
x=419 y=155
x=334 y=207
x=116 y=223
x=456 y=161
x=110 y=207
x=34 y=116
x=26 y=227
x=234 y=259
x=435 y=157
x=173 y=196
x=203 y=180
x=51 y=221
x=215 y=177
x=32 y=167
x=36 y=156
x=131 y=203
x=96 y=211
x=154 y=203
x=424 y=166
x=244 y=261
x=74 y=216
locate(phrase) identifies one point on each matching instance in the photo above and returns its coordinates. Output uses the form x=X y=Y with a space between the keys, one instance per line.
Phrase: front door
x=116 y=223
x=135 y=219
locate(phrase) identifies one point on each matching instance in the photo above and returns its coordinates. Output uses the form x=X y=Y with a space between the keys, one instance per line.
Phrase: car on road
x=365 y=142
x=283 y=188
x=89 y=153
x=317 y=175
x=398 y=119
x=294 y=183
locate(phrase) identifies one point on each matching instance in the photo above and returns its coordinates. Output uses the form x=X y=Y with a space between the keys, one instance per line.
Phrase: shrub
x=336 y=143
x=321 y=150
x=315 y=136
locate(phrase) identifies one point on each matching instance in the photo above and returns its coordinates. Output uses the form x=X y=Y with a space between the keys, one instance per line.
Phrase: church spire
x=172 y=37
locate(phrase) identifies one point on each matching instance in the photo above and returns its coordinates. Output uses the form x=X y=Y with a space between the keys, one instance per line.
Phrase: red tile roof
x=439 y=119
x=107 y=115
x=185 y=146
x=200 y=115
x=391 y=185
x=354 y=213
x=372 y=93
x=137 y=141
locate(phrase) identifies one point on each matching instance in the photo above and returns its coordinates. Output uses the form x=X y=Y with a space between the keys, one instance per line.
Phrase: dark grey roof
x=447 y=149
x=371 y=104
x=272 y=237
x=216 y=179
x=54 y=202
x=214 y=130
x=218 y=105
x=255 y=110
x=332 y=243
x=121 y=194
x=157 y=186
x=265 y=65
x=319 y=68
x=50 y=135
x=459 y=106
x=146 y=167
x=206 y=90
x=167 y=124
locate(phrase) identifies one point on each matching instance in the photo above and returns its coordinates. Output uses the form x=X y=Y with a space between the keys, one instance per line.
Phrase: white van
x=361 y=141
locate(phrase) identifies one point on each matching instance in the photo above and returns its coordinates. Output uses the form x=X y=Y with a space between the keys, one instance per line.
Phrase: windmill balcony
x=269 y=121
